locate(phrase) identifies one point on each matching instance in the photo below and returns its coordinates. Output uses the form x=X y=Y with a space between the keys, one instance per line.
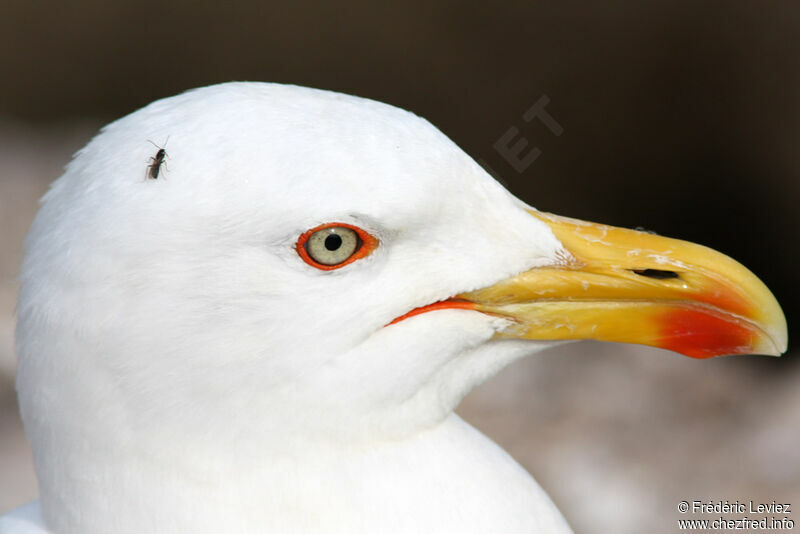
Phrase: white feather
x=183 y=370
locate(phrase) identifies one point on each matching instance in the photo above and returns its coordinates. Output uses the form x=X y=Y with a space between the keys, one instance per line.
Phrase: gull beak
x=635 y=287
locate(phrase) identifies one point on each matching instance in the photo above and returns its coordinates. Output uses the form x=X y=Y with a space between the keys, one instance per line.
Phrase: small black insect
x=155 y=163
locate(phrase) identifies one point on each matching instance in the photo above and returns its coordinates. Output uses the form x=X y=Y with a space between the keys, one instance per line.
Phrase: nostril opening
x=658 y=274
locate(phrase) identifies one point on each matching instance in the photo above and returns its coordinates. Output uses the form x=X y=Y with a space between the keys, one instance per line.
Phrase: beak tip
x=775 y=332
x=779 y=342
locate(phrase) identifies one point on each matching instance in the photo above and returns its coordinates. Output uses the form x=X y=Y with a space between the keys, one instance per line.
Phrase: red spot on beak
x=704 y=334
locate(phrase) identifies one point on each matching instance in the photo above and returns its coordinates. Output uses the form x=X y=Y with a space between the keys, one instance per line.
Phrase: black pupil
x=333 y=242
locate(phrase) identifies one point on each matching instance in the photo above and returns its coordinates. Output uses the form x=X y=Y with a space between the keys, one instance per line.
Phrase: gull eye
x=334 y=245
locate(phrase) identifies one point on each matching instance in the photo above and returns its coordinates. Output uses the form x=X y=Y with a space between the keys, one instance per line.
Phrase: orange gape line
x=699 y=334
x=460 y=304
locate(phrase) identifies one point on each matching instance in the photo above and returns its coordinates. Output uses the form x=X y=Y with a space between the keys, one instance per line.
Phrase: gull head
x=309 y=269
x=183 y=304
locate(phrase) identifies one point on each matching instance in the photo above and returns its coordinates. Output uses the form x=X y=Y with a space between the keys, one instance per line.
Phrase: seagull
x=270 y=335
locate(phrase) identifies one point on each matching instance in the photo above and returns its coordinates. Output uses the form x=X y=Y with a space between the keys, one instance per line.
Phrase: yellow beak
x=635 y=287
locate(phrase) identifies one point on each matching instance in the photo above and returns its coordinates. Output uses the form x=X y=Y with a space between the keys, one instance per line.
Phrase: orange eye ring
x=366 y=244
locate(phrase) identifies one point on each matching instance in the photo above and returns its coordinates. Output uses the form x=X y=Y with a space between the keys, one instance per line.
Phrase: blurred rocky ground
x=617 y=435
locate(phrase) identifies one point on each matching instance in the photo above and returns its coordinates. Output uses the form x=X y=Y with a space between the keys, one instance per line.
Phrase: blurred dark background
x=682 y=117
